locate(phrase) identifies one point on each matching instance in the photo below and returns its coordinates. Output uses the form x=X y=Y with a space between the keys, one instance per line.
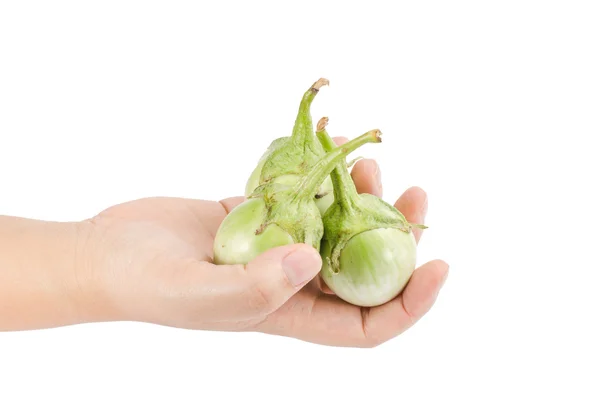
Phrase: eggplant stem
x=319 y=83
x=302 y=132
x=353 y=161
x=344 y=190
x=321 y=169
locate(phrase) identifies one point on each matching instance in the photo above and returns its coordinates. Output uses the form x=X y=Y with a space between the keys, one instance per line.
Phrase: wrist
x=46 y=274
x=88 y=288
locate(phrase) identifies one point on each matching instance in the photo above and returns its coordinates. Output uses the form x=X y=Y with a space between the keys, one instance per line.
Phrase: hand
x=151 y=262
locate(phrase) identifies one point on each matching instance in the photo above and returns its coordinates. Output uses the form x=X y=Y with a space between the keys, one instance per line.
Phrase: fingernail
x=301 y=265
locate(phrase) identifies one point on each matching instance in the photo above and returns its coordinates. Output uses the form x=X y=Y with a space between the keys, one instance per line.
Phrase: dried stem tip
x=319 y=83
x=322 y=123
x=376 y=135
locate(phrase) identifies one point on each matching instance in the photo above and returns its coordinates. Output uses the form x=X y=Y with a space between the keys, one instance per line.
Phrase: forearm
x=40 y=273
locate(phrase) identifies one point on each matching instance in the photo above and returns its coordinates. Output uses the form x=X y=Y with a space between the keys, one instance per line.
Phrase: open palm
x=161 y=271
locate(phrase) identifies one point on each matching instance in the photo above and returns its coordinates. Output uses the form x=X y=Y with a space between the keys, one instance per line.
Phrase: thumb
x=268 y=281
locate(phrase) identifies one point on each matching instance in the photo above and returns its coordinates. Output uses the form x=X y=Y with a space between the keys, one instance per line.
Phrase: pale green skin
x=376 y=265
x=254 y=179
x=323 y=199
x=236 y=241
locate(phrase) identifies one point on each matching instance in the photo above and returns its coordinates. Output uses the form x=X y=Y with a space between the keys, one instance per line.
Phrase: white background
x=491 y=107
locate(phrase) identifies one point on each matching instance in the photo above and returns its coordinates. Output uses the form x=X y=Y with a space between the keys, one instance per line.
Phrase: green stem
x=344 y=189
x=310 y=184
x=303 y=127
x=353 y=161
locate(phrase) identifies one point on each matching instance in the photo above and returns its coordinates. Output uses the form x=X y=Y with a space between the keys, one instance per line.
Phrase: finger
x=230 y=203
x=367 y=177
x=390 y=320
x=211 y=213
x=340 y=140
x=218 y=209
x=413 y=205
x=238 y=292
x=423 y=288
x=323 y=286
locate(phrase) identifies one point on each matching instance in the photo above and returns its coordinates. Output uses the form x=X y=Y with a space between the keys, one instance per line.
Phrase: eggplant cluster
x=301 y=192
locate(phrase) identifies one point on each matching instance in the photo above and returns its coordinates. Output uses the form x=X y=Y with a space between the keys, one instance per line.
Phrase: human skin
x=149 y=260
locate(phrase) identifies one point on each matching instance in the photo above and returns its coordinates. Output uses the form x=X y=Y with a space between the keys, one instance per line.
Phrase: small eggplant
x=368 y=248
x=288 y=158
